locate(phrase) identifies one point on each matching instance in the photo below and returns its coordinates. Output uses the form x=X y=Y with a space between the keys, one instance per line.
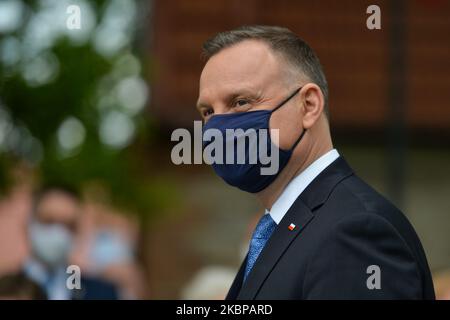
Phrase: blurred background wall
x=95 y=108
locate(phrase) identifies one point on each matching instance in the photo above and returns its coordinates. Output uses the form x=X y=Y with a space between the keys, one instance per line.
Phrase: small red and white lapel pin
x=291 y=227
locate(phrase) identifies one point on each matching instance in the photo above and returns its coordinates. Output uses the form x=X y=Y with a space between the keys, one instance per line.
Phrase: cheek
x=288 y=123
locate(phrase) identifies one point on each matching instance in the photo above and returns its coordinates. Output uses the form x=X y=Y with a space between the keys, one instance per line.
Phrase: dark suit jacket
x=343 y=226
x=95 y=289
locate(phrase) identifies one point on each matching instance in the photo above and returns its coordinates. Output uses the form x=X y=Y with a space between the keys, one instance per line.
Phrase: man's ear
x=313 y=103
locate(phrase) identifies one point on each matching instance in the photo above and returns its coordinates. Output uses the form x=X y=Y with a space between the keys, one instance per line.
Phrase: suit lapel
x=321 y=187
x=300 y=214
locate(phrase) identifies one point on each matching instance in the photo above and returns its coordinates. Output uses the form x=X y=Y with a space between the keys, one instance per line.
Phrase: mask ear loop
x=298 y=140
x=280 y=105
x=287 y=99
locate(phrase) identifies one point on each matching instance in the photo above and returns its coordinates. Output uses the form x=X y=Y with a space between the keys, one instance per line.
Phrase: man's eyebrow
x=250 y=93
x=244 y=93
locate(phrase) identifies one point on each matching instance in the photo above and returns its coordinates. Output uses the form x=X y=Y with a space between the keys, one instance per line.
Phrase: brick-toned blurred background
x=355 y=59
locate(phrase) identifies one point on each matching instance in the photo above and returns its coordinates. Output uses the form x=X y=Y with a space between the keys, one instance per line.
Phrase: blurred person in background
x=108 y=252
x=15 y=208
x=113 y=258
x=106 y=245
x=52 y=228
x=18 y=286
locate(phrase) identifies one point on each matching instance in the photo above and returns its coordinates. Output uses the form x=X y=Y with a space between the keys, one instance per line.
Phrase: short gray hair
x=282 y=40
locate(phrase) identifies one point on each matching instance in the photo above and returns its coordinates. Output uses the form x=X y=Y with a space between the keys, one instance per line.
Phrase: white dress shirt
x=53 y=283
x=298 y=184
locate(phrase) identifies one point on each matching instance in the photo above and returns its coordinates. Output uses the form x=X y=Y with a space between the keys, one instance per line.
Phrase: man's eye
x=241 y=103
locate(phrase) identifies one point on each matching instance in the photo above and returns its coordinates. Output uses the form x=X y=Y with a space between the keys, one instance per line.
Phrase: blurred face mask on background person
x=109 y=248
x=50 y=243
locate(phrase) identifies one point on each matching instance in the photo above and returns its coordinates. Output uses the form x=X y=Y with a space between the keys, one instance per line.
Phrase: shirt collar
x=54 y=283
x=299 y=184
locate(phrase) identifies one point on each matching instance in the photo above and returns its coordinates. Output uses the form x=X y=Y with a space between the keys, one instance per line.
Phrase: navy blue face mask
x=247 y=175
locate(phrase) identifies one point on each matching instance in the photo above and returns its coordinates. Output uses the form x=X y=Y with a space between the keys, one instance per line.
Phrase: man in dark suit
x=325 y=234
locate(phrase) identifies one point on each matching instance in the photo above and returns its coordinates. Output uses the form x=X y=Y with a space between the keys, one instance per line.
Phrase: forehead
x=57 y=206
x=248 y=64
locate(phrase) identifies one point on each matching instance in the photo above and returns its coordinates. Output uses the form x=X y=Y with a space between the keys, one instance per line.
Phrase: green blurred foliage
x=41 y=109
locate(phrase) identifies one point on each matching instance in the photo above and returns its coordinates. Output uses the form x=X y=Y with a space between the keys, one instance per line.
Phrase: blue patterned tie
x=260 y=236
